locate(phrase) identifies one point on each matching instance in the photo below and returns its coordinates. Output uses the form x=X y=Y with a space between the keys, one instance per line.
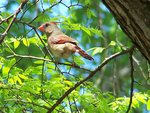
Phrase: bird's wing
x=61 y=39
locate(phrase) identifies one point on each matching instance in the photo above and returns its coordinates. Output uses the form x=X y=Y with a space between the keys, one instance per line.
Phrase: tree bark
x=134 y=19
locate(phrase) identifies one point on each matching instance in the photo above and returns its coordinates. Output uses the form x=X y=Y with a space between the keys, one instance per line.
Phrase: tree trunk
x=134 y=18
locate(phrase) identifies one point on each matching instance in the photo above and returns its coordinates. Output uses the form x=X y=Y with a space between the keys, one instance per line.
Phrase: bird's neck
x=55 y=32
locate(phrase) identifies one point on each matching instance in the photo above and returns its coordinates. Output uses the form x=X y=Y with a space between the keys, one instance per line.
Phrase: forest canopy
x=32 y=79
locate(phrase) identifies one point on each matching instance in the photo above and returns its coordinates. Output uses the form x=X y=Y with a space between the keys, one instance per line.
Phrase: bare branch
x=13 y=20
x=26 y=102
x=76 y=105
x=42 y=77
x=70 y=104
x=12 y=67
x=71 y=5
x=88 y=77
x=45 y=11
x=28 y=9
x=48 y=60
x=132 y=81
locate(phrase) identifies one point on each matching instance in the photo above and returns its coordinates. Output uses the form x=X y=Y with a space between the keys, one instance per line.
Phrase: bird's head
x=48 y=27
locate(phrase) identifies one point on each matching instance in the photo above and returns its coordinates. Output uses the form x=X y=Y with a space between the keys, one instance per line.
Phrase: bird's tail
x=83 y=53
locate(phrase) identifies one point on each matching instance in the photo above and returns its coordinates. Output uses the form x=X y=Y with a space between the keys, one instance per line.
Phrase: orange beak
x=41 y=28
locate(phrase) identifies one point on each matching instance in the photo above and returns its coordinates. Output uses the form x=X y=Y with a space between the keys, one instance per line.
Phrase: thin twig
x=48 y=60
x=26 y=102
x=12 y=67
x=70 y=105
x=71 y=5
x=139 y=66
x=13 y=20
x=34 y=28
x=88 y=77
x=46 y=49
x=28 y=9
x=6 y=19
x=29 y=56
x=76 y=105
x=132 y=81
x=42 y=77
x=20 y=90
x=44 y=11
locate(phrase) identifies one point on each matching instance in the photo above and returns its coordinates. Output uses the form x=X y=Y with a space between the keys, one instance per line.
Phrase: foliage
x=30 y=79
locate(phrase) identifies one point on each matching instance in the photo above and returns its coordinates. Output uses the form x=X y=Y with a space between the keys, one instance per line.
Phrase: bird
x=61 y=45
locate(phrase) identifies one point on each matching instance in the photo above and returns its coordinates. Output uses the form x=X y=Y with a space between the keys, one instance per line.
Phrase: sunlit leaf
x=11 y=81
x=69 y=83
x=141 y=98
x=78 y=61
x=96 y=50
x=29 y=100
x=52 y=1
x=86 y=30
x=5 y=70
x=25 y=42
x=135 y=103
x=23 y=76
x=0 y=65
x=16 y=44
x=97 y=32
x=38 y=62
x=148 y=104
x=17 y=79
x=41 y=102
x=112 y=43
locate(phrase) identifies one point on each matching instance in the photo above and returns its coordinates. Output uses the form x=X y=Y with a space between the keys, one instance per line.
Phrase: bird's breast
x=61 y=50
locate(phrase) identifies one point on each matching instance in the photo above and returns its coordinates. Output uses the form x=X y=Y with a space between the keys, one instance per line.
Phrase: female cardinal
x=61 y=45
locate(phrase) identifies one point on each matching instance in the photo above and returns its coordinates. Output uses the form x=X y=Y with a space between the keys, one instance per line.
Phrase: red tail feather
x=83 y=53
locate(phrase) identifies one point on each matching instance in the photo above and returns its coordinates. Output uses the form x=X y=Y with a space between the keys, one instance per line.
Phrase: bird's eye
x=46 y=25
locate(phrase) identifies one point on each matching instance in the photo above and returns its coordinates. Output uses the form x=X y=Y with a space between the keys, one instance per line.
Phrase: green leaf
x=90 y=13
x=25 y=42
x=96 y=50
x=71 y=26
x=135 y=103
x=29 y=100
x=52 y=1
x=69 y=83
x=38 y=62
x=11 y=81
x=148 y=104
x=41 y=102
x=16 y=78
x=0 y=65
x=16 y=44
x=5 y=70
x=23 y=77
x=78 y=61
x=141 y=98
x=43 y=17
x=112 y=43
x=97 y=32
x=86 y=30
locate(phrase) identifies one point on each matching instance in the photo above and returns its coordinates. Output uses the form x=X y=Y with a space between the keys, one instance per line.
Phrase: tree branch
x=45 y=11
x=13 y=20
x=88 y=77
x=26 y=102
x=48 y=60
x=133 y=17
x=132 y=81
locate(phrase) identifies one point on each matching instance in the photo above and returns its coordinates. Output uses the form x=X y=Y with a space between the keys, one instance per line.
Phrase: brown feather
x=60 y=44
x=83 y=53
x=61 y=39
